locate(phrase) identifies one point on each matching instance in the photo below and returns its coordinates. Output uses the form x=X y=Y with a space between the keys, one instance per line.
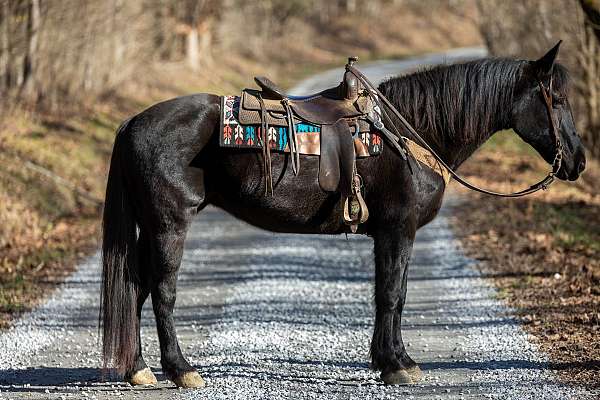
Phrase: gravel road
x=272 y=316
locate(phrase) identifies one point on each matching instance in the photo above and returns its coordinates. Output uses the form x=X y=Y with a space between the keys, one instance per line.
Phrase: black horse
x=167 y=166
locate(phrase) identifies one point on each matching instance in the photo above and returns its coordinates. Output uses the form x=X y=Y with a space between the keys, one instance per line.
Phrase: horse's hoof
x=142 y=377
x=415 y=373
x=399 y=377
x=189 y=380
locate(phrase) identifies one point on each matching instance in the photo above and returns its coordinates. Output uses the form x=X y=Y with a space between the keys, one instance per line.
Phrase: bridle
x=397 y=140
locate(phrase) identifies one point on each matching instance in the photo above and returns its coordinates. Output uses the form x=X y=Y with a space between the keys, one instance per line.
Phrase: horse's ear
x=544 y=66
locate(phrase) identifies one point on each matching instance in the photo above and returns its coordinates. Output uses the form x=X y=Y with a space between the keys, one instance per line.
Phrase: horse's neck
x=457 y=152
x=457 y=148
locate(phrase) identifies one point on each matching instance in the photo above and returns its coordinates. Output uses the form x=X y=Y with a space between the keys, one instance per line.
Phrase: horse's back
x=176 y=127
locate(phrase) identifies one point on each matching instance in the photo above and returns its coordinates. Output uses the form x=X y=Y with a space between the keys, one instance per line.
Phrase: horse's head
x=530 y=118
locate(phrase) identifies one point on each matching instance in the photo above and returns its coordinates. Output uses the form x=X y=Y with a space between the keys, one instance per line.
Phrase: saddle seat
x=322 y=108
x=270 y=90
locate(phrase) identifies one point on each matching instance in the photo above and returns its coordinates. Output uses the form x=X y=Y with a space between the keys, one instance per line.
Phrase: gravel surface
x=275 y=316
x=266 y=315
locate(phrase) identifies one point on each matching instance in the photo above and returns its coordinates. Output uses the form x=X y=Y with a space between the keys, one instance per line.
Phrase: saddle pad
x=233 y=134
x=425 y=157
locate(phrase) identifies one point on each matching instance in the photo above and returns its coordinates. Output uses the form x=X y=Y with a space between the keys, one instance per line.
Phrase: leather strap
x=264 y=126
x=292 y=137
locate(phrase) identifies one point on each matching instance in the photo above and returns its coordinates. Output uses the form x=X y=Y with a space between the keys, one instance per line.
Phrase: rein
x=399 y=142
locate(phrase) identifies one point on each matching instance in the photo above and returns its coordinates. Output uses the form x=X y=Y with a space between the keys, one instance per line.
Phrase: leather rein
x=398 y=142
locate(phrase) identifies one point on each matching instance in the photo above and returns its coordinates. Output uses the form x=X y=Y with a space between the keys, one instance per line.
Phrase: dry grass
x=542 y=252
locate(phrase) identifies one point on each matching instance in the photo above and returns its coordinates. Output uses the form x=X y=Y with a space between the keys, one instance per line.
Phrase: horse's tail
x=118 y=302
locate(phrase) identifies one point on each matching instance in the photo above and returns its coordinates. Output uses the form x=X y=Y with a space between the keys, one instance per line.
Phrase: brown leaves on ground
x=37 y=255
x=543 y=254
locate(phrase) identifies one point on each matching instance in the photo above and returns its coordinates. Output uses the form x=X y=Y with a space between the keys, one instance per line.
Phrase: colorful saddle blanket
x=237 y=135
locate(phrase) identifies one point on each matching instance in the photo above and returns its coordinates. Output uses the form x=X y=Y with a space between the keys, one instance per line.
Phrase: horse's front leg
x=393 y=248
x=412 y=368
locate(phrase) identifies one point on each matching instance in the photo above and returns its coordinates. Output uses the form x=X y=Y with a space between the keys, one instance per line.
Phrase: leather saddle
x=341 y=112
x=323 y=108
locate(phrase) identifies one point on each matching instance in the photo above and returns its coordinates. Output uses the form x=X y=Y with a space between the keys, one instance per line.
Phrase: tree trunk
x=205 y=33
x=590 y=66
x=350 y=6
x=5 y=47
x=193 y=48
x=30 y=62
x=118 y=38
x=591 y=8
x=592 y=81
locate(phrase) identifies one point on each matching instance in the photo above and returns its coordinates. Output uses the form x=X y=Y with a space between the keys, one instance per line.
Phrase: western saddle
x=341 y=112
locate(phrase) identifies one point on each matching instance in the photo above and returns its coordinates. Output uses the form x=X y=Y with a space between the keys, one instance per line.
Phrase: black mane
x=460 y=103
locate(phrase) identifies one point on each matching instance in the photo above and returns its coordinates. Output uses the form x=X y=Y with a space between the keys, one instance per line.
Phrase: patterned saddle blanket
x=235 y=134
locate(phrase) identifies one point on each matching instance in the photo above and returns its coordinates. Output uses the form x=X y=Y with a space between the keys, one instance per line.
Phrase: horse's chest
x=429 y=191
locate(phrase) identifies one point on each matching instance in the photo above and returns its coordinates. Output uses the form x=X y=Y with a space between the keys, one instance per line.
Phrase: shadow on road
x=75 y=379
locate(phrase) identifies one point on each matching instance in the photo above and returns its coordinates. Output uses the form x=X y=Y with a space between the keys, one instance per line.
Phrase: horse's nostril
x=581 y=166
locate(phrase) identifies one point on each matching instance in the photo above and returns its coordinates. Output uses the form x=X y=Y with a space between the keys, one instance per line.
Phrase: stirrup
x=355 y=208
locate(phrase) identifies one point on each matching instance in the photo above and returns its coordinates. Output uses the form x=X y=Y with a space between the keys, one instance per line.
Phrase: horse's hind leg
x=167 y=254
x=141 y=374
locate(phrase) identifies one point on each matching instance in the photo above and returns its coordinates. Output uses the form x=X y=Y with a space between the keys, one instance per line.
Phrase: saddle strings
x=264 y=126
x=543 y=184
x=266 y=150
x=292 y=137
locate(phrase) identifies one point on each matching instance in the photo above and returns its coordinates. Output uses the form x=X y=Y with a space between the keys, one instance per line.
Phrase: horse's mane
x=459 y=103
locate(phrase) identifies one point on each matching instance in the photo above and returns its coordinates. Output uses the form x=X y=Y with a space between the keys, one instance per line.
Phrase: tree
x=30 y=64
x=195 y=22
x=591 y=8
x=528 y=29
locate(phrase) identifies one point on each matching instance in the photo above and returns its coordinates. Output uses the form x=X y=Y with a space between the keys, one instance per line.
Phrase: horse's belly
x=297 y=204
x=291 y=213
